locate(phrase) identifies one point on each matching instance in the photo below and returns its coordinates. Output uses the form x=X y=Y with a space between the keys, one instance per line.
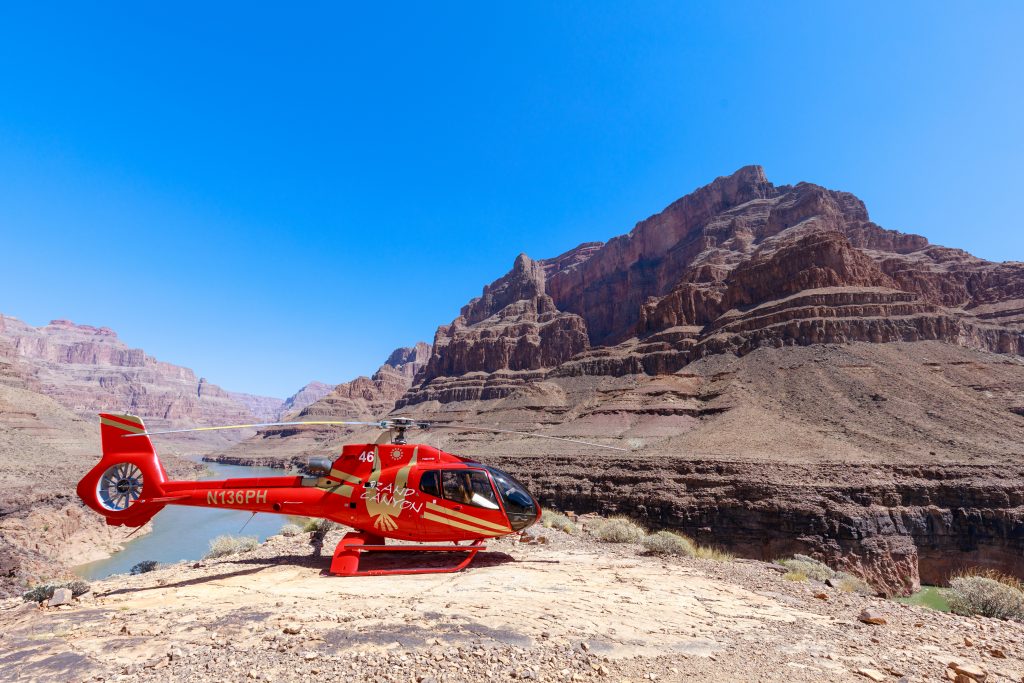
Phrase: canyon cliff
x=788 y=376
x=89 y=369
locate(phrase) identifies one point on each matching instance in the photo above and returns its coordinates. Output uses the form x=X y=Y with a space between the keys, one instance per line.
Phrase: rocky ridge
x=737 y=265
x=89 y=370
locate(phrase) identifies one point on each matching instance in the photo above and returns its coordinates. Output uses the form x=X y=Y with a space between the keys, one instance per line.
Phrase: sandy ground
x=572 y=609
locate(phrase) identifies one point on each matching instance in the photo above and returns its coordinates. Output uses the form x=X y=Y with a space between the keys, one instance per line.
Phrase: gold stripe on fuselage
x=469 y=518
x=459 y=525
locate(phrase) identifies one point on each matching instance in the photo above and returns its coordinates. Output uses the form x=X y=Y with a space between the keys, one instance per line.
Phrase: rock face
x=734 y=266
x=691 y=340
x=361 y=399
x=514 y=328
x=88 y=369
x=306 y=396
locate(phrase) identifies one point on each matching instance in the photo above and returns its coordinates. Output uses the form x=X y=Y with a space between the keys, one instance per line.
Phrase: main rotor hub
x=399 y=425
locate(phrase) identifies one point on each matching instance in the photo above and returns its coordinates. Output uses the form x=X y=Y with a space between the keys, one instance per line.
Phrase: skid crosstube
x=346 y=556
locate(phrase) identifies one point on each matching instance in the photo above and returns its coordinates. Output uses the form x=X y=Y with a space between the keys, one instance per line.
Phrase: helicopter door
x=460 y=504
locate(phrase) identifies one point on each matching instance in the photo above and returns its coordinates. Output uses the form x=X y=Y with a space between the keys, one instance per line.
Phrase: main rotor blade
x=260 y=424
x=539 y=436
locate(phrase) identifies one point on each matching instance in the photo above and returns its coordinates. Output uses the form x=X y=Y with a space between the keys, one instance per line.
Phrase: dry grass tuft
x=669 y=543
x=706 y=552
x=223 y=546
x=809 y=567
x=290 y=530
x=618 y=530
x=794 y=575
x=556 y=520
x=848 y=583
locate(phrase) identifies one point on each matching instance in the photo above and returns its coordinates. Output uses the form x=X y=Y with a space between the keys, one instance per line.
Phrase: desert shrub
x=794 y=575
x=556 y=520
x=143 y=567
x=706 y=552
x=987 y=594
x=230 y=545
x=618 y=530
x=291 y=530
x=319 y=528
x=809 y=567
x=848 y=583
x=669 y=543
x=45 y=591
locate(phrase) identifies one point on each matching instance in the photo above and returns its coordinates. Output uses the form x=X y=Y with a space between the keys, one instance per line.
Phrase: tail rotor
x=126 y=485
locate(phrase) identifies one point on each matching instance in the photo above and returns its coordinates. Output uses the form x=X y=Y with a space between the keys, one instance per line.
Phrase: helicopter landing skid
x=346 y=555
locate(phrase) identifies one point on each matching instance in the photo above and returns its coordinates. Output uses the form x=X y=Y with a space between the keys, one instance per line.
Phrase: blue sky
x=272 y=195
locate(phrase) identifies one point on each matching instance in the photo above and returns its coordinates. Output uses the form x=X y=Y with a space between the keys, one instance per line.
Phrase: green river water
x=928 y=596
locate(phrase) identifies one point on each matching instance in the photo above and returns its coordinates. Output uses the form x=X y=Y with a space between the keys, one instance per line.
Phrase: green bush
x=143 y=567
x=986 y=594
x=291 y=530
x=223 y=546
x=618 y=530
x=45 y=591
x=556 y=520
x=669 y=543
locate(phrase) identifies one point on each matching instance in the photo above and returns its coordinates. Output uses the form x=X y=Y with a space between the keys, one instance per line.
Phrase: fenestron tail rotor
x=397 y=425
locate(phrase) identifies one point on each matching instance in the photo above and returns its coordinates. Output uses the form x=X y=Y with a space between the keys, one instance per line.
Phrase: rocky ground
x=567 y=610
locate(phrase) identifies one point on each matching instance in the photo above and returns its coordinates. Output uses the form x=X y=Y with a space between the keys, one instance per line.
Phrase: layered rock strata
x=88 y=370
x=618 y=343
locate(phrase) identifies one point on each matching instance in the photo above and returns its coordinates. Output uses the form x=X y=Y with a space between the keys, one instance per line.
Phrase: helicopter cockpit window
x=471 y=487
x=519 y=506
x=430 y=483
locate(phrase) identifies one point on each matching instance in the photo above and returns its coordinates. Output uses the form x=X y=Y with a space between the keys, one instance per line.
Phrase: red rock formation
x=514 y=326
x=88 y=369
x=713 y=261
x=621 y=341
x=370 y=398
x=306 y=396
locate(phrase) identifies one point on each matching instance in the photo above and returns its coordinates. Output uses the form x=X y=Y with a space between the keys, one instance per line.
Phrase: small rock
x=869 y=617
x=873 y=674
x=61 y=596
x=998 y=654
x=971 y=671
x=293 y=629
x=968 y=642
x=821 y=596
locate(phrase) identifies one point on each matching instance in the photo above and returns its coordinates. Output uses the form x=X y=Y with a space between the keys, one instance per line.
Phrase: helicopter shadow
x=186 y=582
x=413 y=561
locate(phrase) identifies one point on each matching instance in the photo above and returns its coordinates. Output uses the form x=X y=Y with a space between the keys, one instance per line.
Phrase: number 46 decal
x=366 y=456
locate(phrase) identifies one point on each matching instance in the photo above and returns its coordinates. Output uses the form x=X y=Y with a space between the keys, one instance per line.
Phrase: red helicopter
x=389 y=489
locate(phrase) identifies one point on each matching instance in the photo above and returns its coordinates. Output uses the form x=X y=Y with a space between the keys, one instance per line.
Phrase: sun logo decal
x=396 y=454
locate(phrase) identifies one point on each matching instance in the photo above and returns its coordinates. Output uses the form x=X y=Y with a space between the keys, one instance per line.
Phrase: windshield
x=519 y=505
